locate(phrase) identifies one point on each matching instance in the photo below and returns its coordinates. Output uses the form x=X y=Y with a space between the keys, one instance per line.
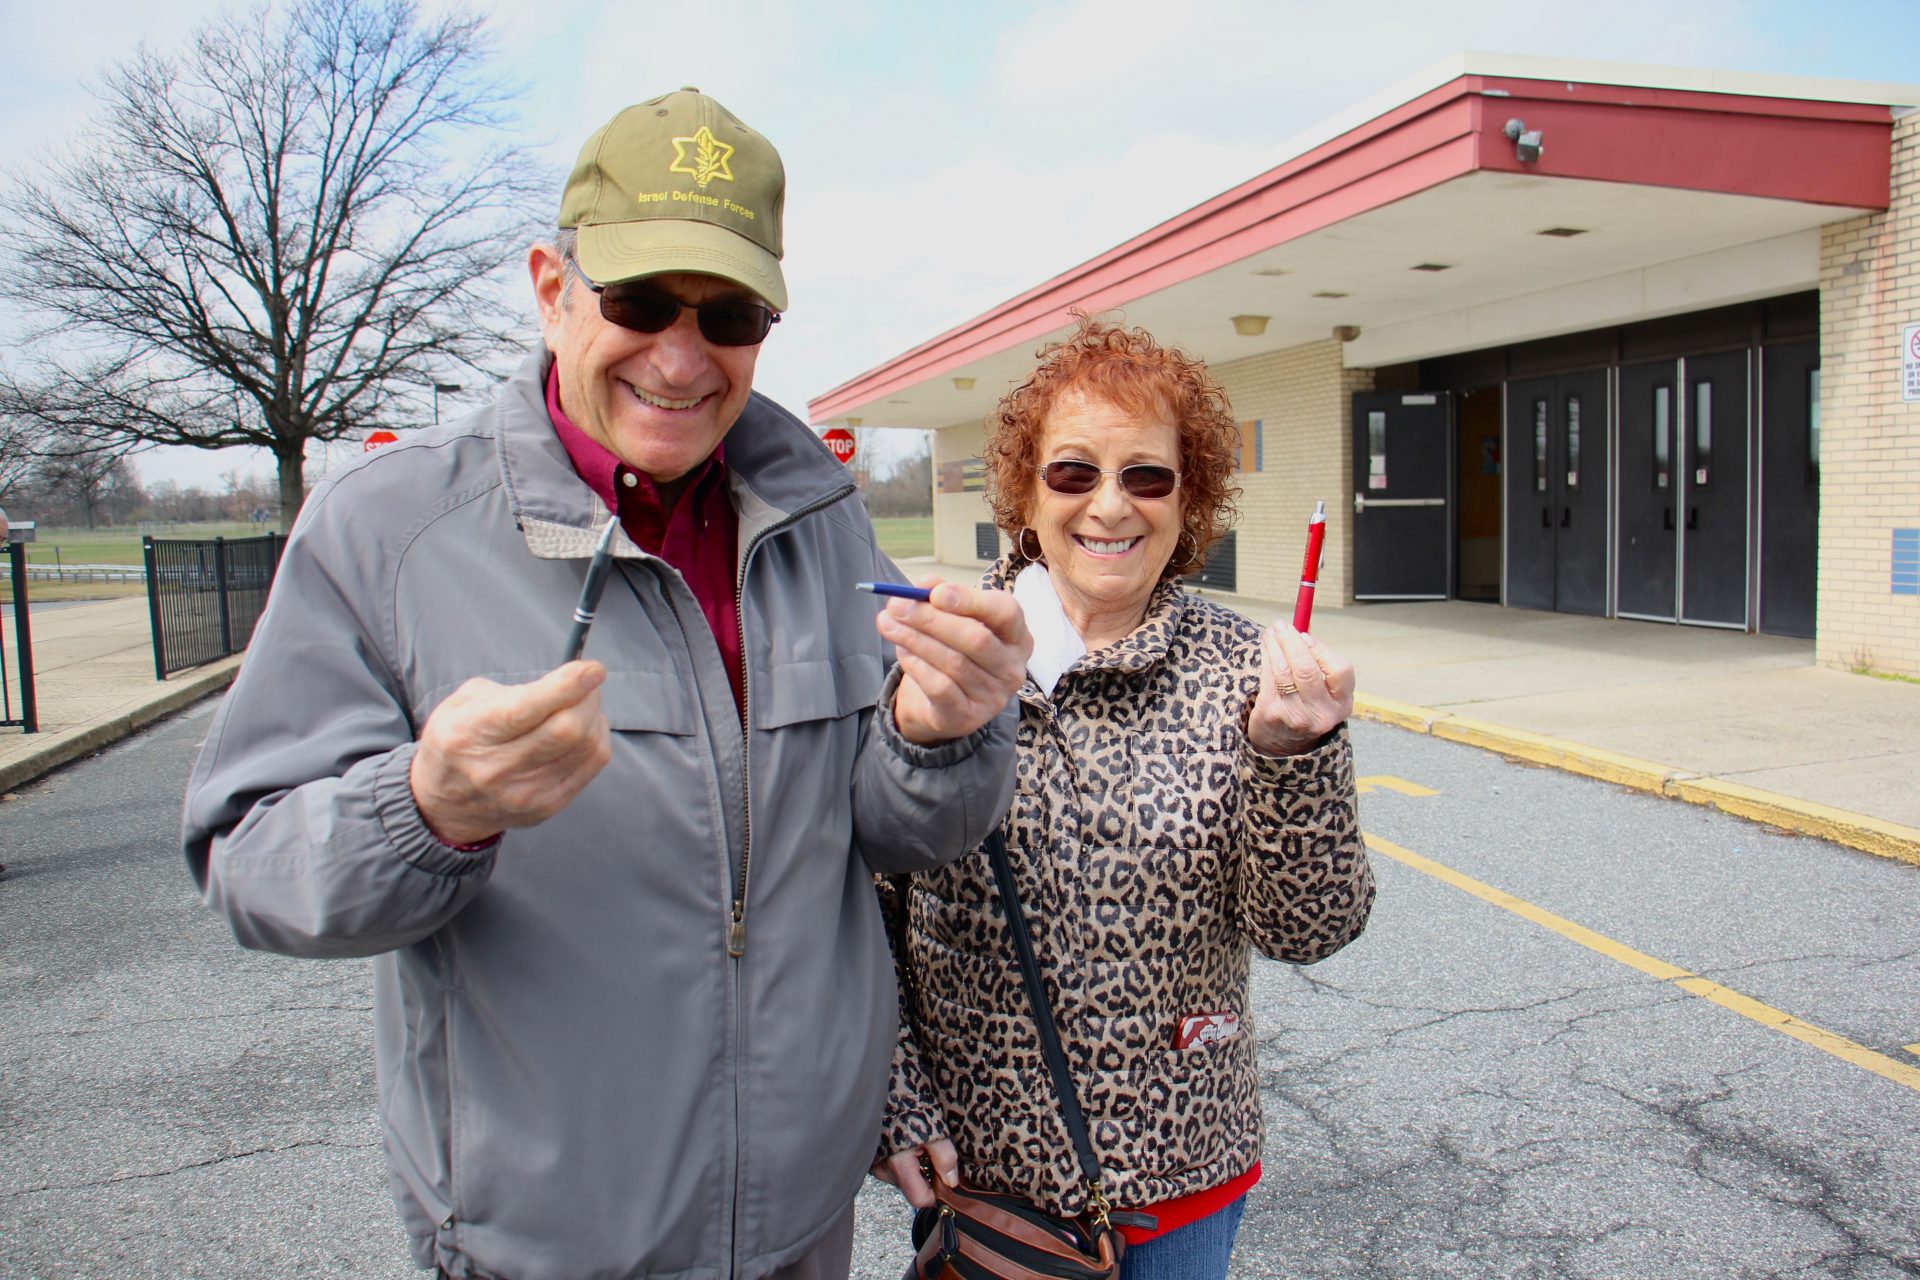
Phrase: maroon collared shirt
x=699 y=535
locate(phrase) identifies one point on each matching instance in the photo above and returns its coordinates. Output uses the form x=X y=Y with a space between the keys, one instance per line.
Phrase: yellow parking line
x=1747 y=1007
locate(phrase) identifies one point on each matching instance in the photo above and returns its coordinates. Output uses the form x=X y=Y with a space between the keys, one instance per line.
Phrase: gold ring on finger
x=1287 y=688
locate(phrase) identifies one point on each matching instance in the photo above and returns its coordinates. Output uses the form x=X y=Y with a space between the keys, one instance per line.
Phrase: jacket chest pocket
x=633 y=701
x=1178 y=791
x=1176 y=799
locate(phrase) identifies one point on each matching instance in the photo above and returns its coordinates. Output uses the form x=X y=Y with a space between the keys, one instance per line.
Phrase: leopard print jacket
x=1152 y=846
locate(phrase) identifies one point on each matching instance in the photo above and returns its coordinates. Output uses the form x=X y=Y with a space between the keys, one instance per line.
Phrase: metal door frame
x=1443 y=400
x=1619 y=521
x=1747 y=589
x=1609 y=470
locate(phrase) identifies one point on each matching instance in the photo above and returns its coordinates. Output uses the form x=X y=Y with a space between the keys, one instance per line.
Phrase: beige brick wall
x=1870 y=439
x=1303 y=399
x=955 y=514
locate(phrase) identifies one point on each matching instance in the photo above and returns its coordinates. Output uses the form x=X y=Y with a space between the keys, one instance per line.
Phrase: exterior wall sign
x=1910 y=364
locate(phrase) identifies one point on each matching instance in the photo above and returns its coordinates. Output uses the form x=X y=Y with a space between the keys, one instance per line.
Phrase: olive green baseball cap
x=679 y=184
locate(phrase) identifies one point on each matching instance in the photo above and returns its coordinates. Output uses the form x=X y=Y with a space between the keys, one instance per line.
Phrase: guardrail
x=205 y=595
x=29 y=718
x=87 y=573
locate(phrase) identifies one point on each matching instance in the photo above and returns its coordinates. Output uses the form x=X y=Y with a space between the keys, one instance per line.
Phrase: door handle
x=1666 y=519
x=1693 y=517
x=1546 y=518
x=1566 y=517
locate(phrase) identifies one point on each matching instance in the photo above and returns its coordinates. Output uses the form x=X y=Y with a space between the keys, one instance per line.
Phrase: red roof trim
x=1816 y=152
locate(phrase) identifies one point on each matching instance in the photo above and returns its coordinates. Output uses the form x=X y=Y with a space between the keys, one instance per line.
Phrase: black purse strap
x=1043 y=1021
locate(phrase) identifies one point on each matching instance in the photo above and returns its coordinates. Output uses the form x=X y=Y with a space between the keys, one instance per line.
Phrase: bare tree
x=18 y=460
x=267 y=239
x=91 y=480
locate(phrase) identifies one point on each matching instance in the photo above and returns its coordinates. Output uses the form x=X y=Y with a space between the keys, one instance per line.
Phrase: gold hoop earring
x=1184 y=559
x=1020 y=545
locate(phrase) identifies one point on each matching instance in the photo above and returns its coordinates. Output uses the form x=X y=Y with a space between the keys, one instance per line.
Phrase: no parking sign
x=1910 y=363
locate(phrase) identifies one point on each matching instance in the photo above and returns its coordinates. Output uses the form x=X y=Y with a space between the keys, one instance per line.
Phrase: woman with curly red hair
x=1184 y=795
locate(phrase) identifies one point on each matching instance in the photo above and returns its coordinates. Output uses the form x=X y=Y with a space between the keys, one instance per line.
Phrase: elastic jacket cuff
x=407 y=832
x=938 y=756
x=1298 y=767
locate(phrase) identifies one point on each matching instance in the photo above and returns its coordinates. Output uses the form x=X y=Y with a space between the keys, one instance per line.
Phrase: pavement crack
x=1755 y=1162
x=129 y=1176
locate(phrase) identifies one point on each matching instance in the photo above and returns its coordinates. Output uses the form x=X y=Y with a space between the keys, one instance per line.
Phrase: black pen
x=590 y=593
x=901 y=589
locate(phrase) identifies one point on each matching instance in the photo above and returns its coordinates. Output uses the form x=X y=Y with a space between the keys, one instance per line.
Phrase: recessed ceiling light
x=1329 y=293
x=1564 y=233
x=1433 y=266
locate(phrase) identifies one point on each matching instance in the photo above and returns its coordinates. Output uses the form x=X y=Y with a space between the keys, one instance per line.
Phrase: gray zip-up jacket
x=576 y=1078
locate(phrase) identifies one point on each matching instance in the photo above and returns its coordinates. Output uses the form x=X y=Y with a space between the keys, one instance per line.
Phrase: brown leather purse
x=971 y=1234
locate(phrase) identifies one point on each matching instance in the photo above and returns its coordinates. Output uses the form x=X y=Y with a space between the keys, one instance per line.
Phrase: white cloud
x=942 y=160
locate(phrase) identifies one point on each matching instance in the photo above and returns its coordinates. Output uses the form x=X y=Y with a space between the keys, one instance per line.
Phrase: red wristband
x=478 y=846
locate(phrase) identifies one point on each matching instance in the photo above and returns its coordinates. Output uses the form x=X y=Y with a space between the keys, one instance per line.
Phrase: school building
x=1634 y=342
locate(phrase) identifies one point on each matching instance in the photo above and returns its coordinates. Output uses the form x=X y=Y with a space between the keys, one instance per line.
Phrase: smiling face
x=659 y=402
x=1105 y=549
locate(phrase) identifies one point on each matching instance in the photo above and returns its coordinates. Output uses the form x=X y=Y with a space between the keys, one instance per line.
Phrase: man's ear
x=549 y=274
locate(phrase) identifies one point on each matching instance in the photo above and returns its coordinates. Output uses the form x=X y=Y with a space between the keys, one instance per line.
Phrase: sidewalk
x=93 y=683
x=1744 y=723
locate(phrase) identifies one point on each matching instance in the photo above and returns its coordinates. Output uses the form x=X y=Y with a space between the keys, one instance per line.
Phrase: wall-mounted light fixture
x=1527 y=144
x=963 y=384
x=1346 y=332
x=1250 y=326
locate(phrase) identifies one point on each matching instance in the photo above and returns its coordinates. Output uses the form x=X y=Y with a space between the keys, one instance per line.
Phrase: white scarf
x=1056 y=645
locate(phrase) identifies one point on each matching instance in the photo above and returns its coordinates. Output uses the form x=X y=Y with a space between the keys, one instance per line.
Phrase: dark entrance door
x=1556 y=454
x=1789 y=486
x=1713 y=491
x=1401 y=531
x=1647 y=549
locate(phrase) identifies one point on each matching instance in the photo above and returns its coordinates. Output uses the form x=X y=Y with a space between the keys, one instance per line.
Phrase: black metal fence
x=205 y=596
x=19 y=710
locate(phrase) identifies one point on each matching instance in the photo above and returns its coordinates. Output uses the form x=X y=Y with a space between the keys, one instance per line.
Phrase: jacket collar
x=1144 y=647
x=775 y=468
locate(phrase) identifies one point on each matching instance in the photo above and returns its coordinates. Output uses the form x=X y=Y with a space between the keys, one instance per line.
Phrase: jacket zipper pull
x=737 y=930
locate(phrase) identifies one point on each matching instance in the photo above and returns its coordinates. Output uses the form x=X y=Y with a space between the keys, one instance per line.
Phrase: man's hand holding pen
x=962 y=655
x=493 y=757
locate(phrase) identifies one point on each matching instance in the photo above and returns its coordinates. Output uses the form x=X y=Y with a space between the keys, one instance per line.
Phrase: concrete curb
x=1855 y=831
x=70 y=744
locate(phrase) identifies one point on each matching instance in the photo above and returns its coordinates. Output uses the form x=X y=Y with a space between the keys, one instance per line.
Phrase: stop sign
x=377 y=439
x=840 y=442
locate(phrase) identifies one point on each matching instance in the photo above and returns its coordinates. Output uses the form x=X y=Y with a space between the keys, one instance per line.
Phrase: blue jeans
x=1198 y=1251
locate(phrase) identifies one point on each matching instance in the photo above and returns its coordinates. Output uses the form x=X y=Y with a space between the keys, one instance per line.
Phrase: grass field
x=122 y=545
x=52 y=547
x=903 y=537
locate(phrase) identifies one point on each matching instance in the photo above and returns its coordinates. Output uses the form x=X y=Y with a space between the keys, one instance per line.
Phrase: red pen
x=1310 y=570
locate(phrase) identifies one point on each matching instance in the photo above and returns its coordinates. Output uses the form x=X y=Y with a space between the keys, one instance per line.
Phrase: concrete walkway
x=1745 y=723
x=93 y=682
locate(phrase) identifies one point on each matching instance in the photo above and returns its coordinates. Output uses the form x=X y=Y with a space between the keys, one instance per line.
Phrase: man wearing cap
x=633 y=1003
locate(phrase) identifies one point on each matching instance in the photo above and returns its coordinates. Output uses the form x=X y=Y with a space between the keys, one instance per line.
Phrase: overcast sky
x=942 y=158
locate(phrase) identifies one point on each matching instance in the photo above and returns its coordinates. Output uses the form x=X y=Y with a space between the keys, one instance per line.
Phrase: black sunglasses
x=646 y=308
x=1142 y=480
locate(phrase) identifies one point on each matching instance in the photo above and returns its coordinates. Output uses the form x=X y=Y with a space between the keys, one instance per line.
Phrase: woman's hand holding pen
x=495 y=756
x=1306 y=691
x=962 y=655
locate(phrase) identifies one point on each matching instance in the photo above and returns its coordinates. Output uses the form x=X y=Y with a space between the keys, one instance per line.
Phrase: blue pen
x=901 y=589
